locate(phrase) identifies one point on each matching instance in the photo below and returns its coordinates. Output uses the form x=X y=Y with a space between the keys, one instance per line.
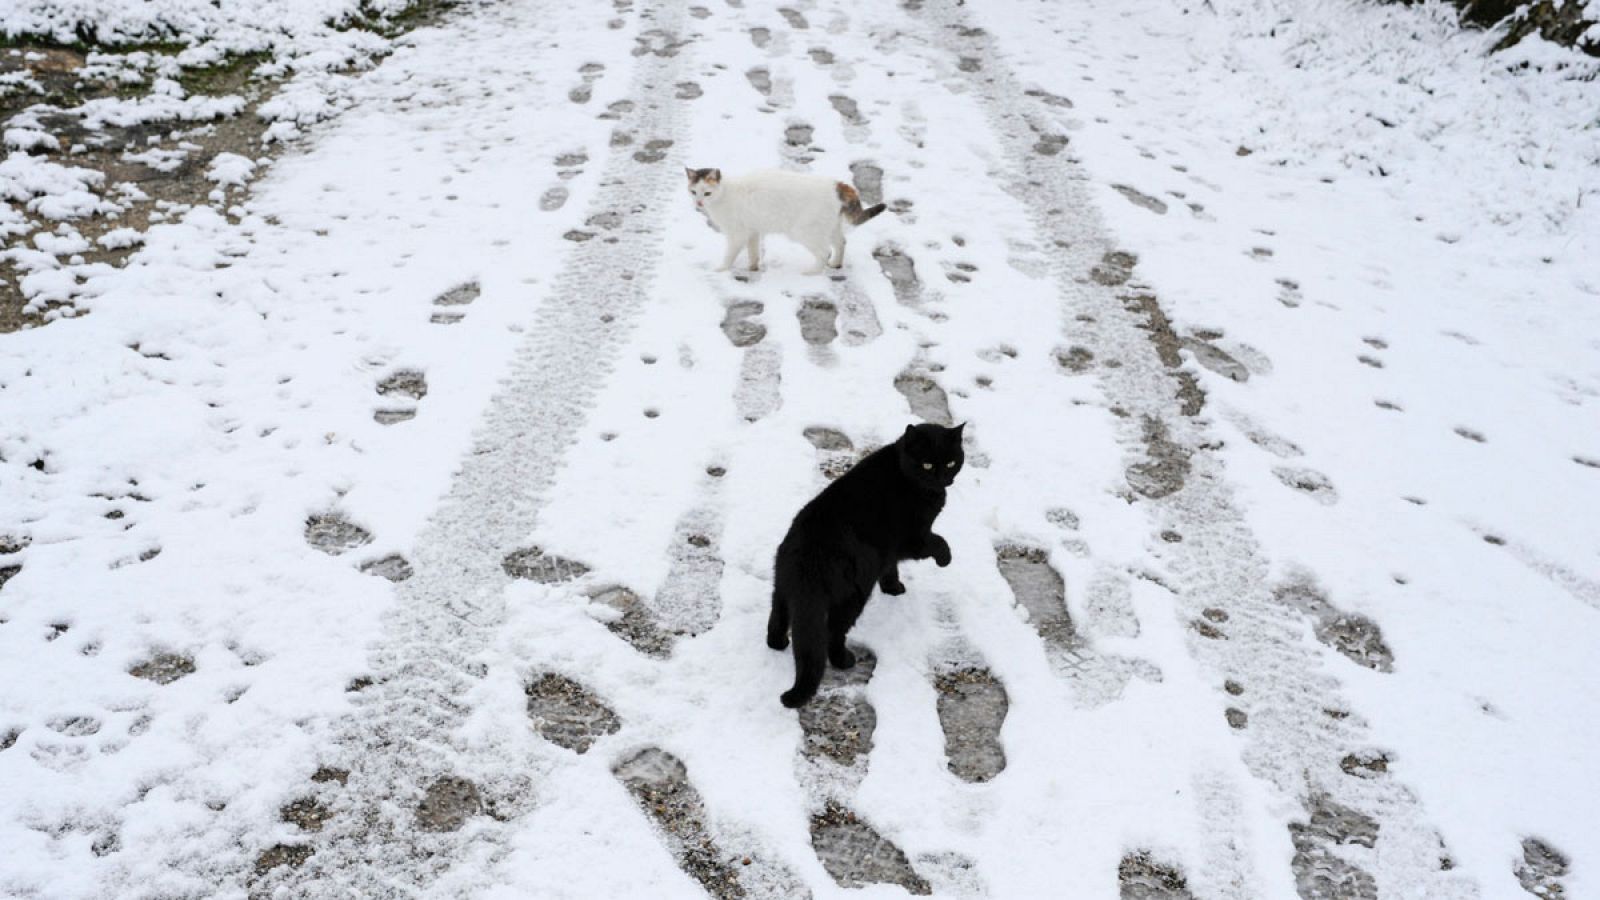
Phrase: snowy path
x=469 y=345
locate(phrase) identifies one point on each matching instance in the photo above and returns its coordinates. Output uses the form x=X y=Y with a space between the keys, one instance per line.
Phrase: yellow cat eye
x=950 y=465
x=927 y=465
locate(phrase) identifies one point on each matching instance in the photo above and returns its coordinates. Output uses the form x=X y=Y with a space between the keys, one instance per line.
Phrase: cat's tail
x=850 y=205
x=808 y=631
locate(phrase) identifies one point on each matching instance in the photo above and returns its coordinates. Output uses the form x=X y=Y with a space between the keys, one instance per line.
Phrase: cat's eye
x=950 y=465
x=928 y=466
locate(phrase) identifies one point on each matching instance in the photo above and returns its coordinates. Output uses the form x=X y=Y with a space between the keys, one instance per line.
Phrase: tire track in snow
x=1299 y=727
x=414 y=784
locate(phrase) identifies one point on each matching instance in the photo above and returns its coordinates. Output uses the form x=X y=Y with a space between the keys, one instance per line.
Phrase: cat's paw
x=793 y=699
x=892 y=587
x=778 y=641
x=842 y=659
x=940 y=550
x=723 y=268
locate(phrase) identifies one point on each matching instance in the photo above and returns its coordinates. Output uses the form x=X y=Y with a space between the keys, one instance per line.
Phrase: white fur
x=804 y=208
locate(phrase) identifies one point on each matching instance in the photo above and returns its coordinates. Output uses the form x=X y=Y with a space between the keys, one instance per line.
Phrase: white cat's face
x=703 y=185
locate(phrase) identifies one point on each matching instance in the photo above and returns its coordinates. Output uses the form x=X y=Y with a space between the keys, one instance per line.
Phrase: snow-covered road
x=406 y=529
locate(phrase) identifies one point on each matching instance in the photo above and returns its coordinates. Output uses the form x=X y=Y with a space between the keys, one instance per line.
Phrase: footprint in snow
x=534 y=564
x=408 y=383
x=839 y=723
x=446 y=305
x=1324 y=846
x=659 y=783
x=856 y=855
x=818 y=322
x=925 y=397
x=627 y=616
x=567 y=714
x=1310 y=482
x=972 y=707
x=1541 y=869
x=1140 y=876
x=1138 y=198
x=333 y=534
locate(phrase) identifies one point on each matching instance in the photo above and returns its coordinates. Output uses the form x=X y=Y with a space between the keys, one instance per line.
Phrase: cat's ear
x=714 y=176
x=689 y=172
x=910 y=431
x=957 y=430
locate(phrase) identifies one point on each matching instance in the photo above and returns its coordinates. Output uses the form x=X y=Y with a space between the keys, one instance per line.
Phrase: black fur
x=853 y=536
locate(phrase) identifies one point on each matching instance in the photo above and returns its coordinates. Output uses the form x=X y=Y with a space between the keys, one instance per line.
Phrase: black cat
x=852 y=536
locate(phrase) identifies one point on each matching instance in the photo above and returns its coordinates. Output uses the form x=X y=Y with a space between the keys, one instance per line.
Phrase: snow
x=230 y=168
x=582 y=398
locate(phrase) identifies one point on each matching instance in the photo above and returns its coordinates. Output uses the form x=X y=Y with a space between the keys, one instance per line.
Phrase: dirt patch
x=972 y=708
x=333 y=534
x=163 y=668
x=291 y=855
x=926 y=398
x=1142 y=877
x=660 y=785
x=1541 y=869
x=7 y=573
x=567 y=714
x=856 y=855
x=306 y=812
x=164 y=163
x=740 y=325
x=448 y=803
x=533 y=564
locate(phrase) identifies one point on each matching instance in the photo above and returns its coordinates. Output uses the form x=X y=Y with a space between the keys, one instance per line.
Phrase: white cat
x=810 y=209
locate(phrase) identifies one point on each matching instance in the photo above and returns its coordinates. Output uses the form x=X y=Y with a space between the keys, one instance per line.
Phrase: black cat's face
x=931 y=455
